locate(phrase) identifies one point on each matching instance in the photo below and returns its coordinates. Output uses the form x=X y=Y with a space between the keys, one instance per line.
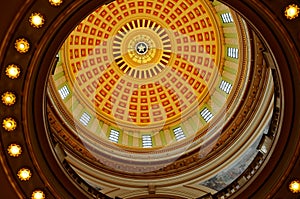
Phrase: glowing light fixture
x=292 y=11
x=38 y=194
x=14 y=150
x=294 y=186
x=22 y=45
x=56 y=2
x=36 y=20
x=13 y=71
x=24 y=174
x=9 y=124
x=8 y=98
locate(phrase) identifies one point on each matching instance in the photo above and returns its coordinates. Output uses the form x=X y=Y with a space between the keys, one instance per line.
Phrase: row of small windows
x=147 y=141
x=233 y=52
x=178 y=132
x=64 y=92
x=225 y=86
x=226 y=18
x=114 y=136
x=85 y=119
x=206 y=114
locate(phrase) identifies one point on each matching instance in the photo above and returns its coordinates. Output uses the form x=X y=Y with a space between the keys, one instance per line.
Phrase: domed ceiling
x=145 y=66
x=140 y=68
x=149 y=99
x=152 y=89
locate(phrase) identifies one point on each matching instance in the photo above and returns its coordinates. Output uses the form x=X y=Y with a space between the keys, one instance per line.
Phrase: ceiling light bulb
x=292 y=11
x=38 y=194
x=12 y=71
x=8 y=98
x=36 y=20
x=14 y=150
x=24 y=174
x=294 y=186
x=9 y=124
x=22 y=45
x=56 y=2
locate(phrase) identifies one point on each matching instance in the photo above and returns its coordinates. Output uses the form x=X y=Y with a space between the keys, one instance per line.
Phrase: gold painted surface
x=153 y=89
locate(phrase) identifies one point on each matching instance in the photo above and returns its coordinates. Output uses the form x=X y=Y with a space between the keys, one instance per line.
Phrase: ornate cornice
x=246 y=113
x=278 y=34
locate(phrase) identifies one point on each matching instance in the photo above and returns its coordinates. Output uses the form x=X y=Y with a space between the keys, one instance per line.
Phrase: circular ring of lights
x=31 y=128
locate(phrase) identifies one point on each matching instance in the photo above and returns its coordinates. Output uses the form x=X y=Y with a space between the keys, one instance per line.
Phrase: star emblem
x=141 y=48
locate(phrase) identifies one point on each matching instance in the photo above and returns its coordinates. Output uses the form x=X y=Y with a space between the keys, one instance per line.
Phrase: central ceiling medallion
x=142 y=48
